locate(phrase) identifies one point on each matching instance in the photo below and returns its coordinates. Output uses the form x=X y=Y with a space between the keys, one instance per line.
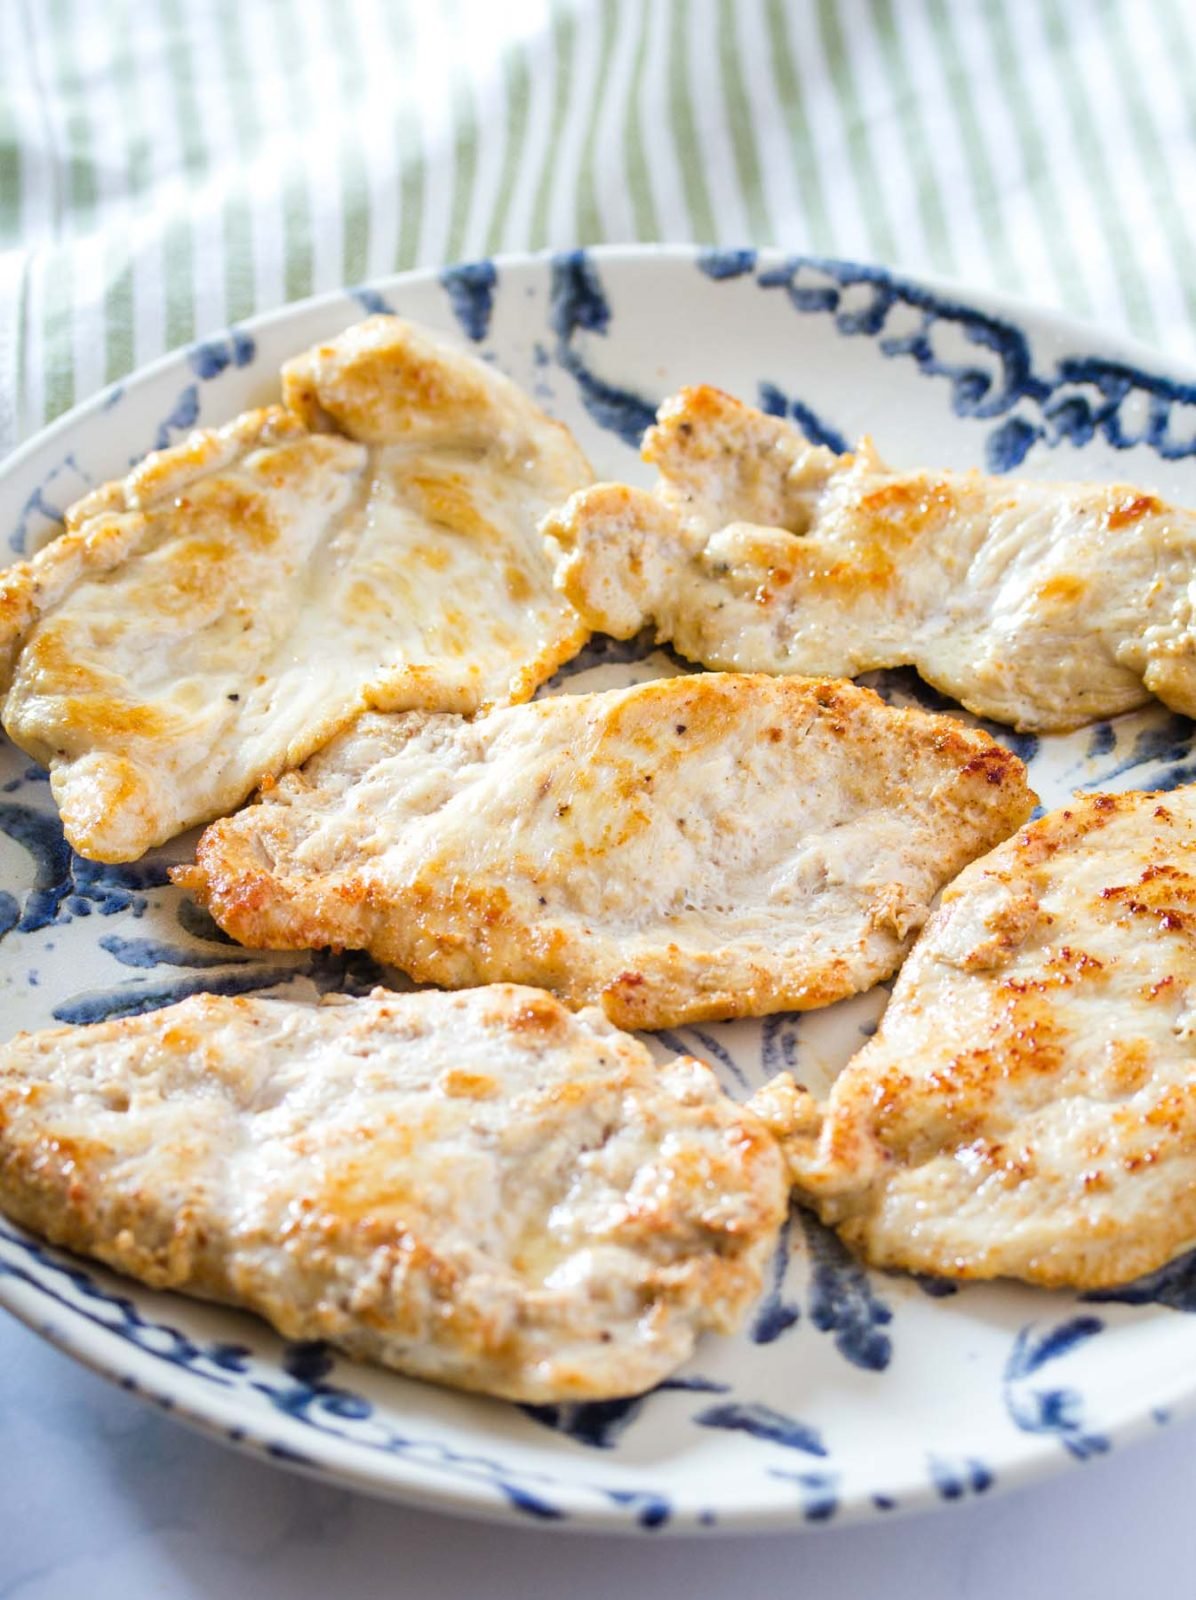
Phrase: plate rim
x=139 y=1373
x=1117 y=345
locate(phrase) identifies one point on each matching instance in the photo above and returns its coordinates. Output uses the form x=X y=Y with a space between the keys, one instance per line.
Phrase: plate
x=849 y=1393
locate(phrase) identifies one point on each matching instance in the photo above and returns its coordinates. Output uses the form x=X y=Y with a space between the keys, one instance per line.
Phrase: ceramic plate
x=849 y=1393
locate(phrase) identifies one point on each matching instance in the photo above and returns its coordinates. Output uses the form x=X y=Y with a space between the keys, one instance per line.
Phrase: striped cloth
x=170 y=166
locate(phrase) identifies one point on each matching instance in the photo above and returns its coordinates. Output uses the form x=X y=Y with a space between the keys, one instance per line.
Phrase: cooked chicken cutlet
x=1027 y=1108
x=236 y=600
x=1042 y=605
x=483 y=1188
x=706 y=846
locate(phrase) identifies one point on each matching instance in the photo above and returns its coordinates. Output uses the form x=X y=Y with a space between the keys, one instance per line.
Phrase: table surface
x=105 y=1497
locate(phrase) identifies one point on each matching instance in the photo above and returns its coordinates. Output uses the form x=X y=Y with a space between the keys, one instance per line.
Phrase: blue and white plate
x=849 y=1393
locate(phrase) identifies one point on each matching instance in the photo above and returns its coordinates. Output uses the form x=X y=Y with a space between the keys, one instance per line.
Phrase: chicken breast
x=236 y=600
x=481 y=1188
x=706 y=846
x=1040 y=605
x=1028 y=1105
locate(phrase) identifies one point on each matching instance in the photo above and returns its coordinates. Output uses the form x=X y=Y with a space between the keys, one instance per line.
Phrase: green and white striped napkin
x=169 y=166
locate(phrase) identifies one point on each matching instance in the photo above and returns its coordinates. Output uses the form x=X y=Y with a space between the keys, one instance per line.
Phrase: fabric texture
x=168 y=167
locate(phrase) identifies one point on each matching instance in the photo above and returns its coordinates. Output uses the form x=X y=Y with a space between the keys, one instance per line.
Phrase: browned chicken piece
x=1027 y=1108
x=705 y=846
x=1043 y=605
x=236 y=600
x=480 y=1188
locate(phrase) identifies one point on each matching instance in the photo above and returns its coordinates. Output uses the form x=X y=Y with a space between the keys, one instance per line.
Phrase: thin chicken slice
x=236 y=600
x=481 y=1188
x=1041 y=605
x=706 y=846
x=1027 y=1108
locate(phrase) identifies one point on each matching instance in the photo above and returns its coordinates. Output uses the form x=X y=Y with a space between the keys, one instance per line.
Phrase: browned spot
x=1071 y=964
x=1008 y=1167
x=690 y=420
x=445 y=499
x=869 y=567
x=66 y=1157
x=220 y=507
x=544 y=1017
x=1164 y=891
x=1129 y=1065
x=1131 y=510
x=364 y=598
x=1024 y=1046
x=994 y=763
x=49 y=656
x=1173 y=1109
x=704 y=704
x=474 y=906
x=387 y=387
x=1152 y=991
x=626 y=980
x=368 y=1180
x=460 y=1084
x=29 y=1094
x=519 y=585
x=1033 y=1039
x=100 y=715
x=1063 y=587
x=908 y=506
x=1144 y=1158
x=180 y=1038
